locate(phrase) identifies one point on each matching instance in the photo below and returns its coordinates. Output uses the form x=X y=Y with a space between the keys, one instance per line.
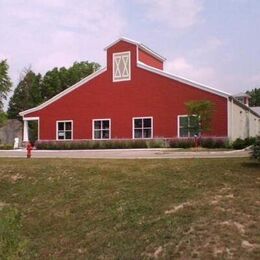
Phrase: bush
x=216 y=142
x=131 y=144
x=243 y=143
x=80 y=145
x=239 y=144
x=181 y=143
x=256 y=149
x=6 y=147
x=157 y=143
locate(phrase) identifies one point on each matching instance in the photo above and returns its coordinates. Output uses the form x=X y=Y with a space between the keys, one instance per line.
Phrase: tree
x=200 y=113
x=5 y=82
x=254 y=101
x=57 y=80
x=26 y=95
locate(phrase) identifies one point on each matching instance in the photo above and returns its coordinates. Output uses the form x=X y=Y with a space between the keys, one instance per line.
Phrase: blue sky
x=214 y=42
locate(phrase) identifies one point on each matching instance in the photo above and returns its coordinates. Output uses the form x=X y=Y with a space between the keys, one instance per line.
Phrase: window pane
x=147 y=122
x=68 y=135
x=68 y=126
x=60 y=126
x=97 y=124
x=183 y=132
x=105 y=134
x=138 y=133
x=193 y=121
x=61 y=135
x=105 y=124
x=184 y=121
x=138 y=123
x=97 y=134
x=147 y=133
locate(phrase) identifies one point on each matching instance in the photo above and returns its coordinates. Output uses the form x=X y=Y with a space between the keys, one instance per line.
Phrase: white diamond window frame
x=121 y=66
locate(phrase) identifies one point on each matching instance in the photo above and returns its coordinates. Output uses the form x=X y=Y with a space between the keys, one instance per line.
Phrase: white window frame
x=113 y=66
x=133 y=127
x=57 y=129
x=178 y=126
x=93 y=128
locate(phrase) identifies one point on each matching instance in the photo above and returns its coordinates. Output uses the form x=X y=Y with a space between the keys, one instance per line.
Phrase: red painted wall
x=146 y=94
x=150 y=60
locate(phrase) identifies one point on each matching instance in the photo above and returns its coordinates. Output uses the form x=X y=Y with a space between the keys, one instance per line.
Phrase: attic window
x=121 y=66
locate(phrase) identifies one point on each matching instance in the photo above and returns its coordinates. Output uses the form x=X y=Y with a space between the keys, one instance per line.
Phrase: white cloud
x=56 y=33
x=174 y=13
x=182 y=67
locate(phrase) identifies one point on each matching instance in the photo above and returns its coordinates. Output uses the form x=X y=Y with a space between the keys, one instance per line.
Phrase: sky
x=213 y=42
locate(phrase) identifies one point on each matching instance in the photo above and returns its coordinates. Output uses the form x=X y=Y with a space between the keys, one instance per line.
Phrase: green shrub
x=256 y=149
x=214 y=142
x=239 y=144
x=157 y=143
x=249 y=141
x=6 y=147
x=243 y=143
x=12 y=245
x=91 y=144
x=182 y=143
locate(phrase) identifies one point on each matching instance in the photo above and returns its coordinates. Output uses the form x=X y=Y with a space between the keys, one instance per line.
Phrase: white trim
x=64 y=92
x=133 y=128
x=31 y=118
x=93 y=129
x=183 y=80
x=113 y=62
x=64 y=121
x=140 y=45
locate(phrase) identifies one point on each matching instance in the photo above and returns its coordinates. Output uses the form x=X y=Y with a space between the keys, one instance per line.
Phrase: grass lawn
x=129 y=209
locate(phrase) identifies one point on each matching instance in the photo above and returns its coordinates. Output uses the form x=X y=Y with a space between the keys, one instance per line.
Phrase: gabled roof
x=140 y=46
x=242 y=94
x=64 y=92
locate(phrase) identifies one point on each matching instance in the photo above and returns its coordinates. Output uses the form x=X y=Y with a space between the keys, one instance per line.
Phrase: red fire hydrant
x=29 y=150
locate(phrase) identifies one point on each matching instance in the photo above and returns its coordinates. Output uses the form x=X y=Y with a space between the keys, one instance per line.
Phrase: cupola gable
x=123 y=56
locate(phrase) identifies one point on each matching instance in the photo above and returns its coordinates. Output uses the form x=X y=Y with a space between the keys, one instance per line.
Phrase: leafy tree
x=201 y=111
x=57 y=80
x=3 y=118
x=5 y=82
x=254 y=101
x=26 y=95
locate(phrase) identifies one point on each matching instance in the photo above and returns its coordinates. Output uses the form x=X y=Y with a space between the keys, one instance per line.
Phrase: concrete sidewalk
x=126 y=154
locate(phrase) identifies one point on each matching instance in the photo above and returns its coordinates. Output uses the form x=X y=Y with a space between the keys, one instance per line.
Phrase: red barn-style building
x=131 y=98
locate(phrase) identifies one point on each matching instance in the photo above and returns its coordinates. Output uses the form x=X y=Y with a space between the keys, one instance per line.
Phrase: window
x=188 y=126
x=142 y=127
x=64 y=130
x=121 y=66
x=101 y=129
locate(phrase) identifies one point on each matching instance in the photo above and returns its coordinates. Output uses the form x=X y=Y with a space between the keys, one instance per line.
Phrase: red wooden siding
x=150 y=60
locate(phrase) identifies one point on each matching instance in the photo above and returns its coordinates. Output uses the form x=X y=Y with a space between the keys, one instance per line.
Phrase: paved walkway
x=126 y=154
